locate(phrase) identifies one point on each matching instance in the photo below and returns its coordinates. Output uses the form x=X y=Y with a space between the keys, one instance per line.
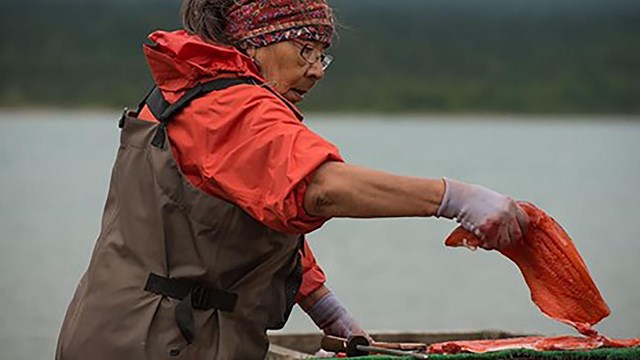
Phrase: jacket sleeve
x=312 y=275
x=259 y=156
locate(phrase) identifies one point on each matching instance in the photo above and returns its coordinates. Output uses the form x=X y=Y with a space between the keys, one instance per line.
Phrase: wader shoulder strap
x=164 y=111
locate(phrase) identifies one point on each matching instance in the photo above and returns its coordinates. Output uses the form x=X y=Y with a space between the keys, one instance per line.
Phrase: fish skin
x=554 y=271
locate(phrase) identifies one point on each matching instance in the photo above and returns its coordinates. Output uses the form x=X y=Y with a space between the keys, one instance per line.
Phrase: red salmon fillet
x=557 y=277
x=538 y=343
x=560 y=286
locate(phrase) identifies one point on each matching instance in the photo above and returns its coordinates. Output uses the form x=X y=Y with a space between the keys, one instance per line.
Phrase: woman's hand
x=494 y=218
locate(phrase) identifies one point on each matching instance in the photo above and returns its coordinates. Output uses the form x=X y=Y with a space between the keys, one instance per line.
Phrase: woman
x=215 y=184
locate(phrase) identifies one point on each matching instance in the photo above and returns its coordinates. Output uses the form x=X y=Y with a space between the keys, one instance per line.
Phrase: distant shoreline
x=6 y=112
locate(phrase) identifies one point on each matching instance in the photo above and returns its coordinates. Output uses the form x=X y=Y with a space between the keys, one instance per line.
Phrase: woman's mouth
x=296 y=95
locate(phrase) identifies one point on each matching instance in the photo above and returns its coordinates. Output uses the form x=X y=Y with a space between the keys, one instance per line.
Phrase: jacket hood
x=179 y=60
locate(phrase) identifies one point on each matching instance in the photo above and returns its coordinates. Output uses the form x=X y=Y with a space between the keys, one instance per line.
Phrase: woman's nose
x=316 y=71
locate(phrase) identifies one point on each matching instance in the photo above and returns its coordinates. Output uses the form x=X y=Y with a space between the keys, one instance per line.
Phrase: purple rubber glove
x=494 y=218
x=334 y=319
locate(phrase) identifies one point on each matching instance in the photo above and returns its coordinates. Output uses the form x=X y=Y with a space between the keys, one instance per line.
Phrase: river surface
x=393 y=274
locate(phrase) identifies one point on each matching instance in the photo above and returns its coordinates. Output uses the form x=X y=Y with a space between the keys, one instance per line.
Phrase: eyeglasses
x=312 y=54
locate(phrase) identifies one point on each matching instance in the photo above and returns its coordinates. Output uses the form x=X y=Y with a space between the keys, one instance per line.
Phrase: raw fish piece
x=557 y=276
x=538 y=343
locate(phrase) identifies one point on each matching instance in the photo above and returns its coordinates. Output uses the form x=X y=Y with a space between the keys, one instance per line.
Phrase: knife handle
x=333 y=344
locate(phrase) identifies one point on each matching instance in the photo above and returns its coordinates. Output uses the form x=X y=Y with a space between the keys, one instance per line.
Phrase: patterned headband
x=258 y=23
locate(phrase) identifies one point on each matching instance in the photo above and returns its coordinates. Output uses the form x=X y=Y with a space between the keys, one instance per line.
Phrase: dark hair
x=207 y=19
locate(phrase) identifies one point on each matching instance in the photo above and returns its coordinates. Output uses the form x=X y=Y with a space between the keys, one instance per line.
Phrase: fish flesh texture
x=560 y=286
x=556 y=275
x=537 y=343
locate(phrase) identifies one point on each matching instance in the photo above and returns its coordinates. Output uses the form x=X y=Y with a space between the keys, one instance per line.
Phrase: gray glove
x=495 y=219
x=334 y=319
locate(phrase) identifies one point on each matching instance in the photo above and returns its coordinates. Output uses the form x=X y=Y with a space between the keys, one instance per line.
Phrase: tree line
x=417 y=56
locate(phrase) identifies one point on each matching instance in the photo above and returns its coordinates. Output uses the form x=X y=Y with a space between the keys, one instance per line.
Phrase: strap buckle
x=200 y=298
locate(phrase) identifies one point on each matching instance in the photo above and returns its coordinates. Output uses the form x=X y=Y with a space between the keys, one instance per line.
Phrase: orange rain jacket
x=242 y=144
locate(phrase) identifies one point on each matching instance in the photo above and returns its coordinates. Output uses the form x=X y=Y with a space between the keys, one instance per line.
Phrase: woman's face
x=282 y=65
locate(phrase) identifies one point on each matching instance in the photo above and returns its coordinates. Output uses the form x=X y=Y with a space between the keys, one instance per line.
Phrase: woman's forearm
x=307 y=303
x=342 y=190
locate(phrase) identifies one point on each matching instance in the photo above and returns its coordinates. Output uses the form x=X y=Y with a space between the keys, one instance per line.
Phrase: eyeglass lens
x=309 y=53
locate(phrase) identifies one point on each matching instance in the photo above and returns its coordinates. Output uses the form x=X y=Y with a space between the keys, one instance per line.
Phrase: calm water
x=392 y=274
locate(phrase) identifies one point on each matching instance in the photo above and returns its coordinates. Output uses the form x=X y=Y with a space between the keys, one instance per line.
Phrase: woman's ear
x=253 y=54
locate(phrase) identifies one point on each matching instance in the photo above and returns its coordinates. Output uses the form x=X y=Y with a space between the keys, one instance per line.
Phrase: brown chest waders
x=175 y=272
